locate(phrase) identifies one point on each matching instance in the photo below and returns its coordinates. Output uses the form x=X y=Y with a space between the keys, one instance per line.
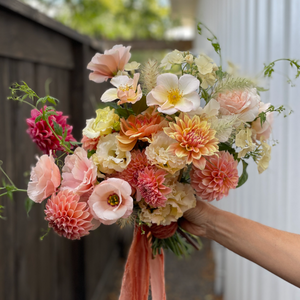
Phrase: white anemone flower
x=172 y=94
x=126 y=90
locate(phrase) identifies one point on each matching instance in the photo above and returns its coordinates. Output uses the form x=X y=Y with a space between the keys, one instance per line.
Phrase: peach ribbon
x=141 y=268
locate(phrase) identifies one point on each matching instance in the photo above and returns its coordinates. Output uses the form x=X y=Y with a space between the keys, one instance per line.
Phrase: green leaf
x=38 y=118
x=140 y=106
x=28 y=205
x=91 y=152
x=244 y=177
x=41 y=100
x=52 y=100
x=75 y=143
x=57 y=128
x=45 y=234
x=226 y=147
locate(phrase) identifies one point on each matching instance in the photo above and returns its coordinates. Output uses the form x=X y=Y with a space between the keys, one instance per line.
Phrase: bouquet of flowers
x=164 y=135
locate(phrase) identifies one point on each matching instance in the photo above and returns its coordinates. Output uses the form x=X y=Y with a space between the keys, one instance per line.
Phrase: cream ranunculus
x=179 y=200
x=108 y=157
x=207 y=69
x=174 y=57
x=104 y=123
x=158 y=154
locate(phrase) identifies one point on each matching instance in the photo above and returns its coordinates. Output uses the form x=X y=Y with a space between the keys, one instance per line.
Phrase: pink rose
x=265 y=130
x=44 y=179
x=111 y=201
x=243 y=103
x=79 y=173
x=108 y=64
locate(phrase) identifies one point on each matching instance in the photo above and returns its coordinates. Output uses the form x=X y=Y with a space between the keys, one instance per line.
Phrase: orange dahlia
x=140 y=127
x=195 y=139
x=218 y=177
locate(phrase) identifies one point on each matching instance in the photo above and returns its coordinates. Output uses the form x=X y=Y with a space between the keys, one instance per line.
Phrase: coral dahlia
x=195 y=139
x=67 y=216
x=140 y=127
x=150 y=187
x=218 y=177
x=42 y=135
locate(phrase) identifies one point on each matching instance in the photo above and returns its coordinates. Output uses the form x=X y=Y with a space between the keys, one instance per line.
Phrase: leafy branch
x=214 y=40
x=269 y=69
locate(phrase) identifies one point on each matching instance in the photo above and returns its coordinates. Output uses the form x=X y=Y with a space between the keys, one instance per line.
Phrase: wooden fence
x=35 y=49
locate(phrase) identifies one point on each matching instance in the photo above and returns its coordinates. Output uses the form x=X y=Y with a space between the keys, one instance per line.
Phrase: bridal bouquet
x=164 y=135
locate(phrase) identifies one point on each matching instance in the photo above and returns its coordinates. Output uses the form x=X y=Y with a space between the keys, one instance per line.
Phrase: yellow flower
x=206 y=68
x=263 y=163
x=104 y=123
x=244 y=140
x=179 y=200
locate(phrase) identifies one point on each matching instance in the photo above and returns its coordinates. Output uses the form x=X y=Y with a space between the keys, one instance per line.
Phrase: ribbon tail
x=157 y=277
x=135 y=283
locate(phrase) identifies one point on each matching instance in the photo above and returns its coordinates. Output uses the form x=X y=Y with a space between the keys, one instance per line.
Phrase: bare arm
x=275 y=250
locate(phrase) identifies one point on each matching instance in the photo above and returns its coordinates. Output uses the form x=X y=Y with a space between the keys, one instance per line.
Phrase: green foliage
x=28 y=205
x=123 y=112
x=263 y=115
x=176 y=243
x=269 y=69
x=1 y=212
x=244 y=177
x=25 y=90
x=46 y=232
x=213 y=39
x=118 y=19
x=233 y=83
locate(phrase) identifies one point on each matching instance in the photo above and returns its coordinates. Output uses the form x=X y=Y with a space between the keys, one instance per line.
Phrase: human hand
x=198 y=219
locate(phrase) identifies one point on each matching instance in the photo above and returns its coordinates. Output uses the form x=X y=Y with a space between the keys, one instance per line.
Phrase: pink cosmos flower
x=265 y=130
x=41 y=134
x=107 y=65
x=218 y=177
x=111 y=201
x=150 y=187
x=79 y=173
x=244 y=103
x=44 y=179
x=172 y=94
x=67 y=216
x=127 y=90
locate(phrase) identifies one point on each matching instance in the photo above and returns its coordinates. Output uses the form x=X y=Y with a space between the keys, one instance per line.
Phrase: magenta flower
x=42 y=135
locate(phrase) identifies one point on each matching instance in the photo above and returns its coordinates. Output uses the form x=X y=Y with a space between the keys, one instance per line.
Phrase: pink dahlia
x=137 y=164
x=41 y=134
x=150 y=187
x=67 y=216
x=217 y=178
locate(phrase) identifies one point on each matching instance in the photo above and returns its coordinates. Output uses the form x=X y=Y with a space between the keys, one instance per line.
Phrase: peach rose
x=79 y=173
x=243 y=103
x=265 y=130
x=111 y=201
x=44 y=179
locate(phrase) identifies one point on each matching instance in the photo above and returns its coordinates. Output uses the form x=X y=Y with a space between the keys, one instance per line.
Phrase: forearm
x=275 y=250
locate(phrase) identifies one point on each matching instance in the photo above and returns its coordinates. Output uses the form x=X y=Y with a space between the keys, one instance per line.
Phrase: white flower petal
x=188 y=84
x=168 y=80
x=121 y=80
x=109 y=95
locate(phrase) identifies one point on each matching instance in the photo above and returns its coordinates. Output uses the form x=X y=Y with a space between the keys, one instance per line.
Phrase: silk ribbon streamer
x=141 y=268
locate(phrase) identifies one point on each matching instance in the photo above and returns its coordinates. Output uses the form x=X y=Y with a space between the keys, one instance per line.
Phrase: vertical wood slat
x=55 y=268
x=257 y=32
